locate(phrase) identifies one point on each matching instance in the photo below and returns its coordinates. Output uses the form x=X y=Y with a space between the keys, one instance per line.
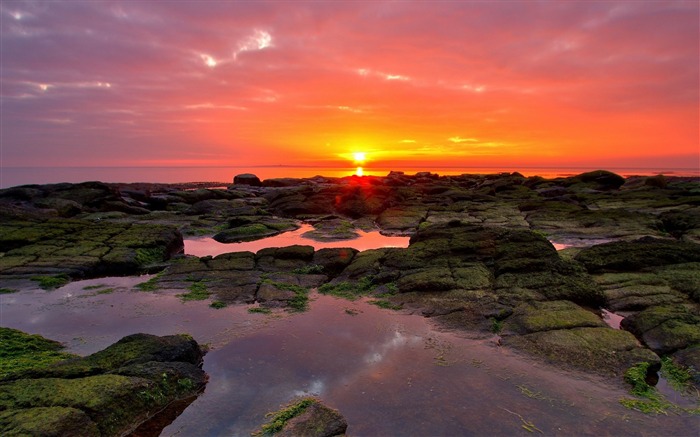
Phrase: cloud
x=258 y=40
x=462 y=140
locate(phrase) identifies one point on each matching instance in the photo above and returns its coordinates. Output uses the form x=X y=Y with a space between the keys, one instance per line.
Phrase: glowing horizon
x=407 y=84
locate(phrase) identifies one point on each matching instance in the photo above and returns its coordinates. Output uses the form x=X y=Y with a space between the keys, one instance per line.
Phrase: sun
x=359 y=156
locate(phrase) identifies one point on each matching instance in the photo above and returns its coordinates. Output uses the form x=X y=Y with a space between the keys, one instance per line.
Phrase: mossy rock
x=665 y=329
x=546 y=316
x=430 y=279
x=626 y=256
x=249 y=232
x=400 y=219
x=563 y=281
x=365 y=263
x=130 y=350
x=599 y=179
x=232 y=261
x=334 y=260
x=78 y=397
x=305 y=417
x=473 y=277
x=332 y=230
x=690 y=359
x=48 y=422
x=20 y=352
x=601 y=350
x=113 y=402
x=684 y=278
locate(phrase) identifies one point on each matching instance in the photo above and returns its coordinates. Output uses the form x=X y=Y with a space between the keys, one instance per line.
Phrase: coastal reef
x=529 y=263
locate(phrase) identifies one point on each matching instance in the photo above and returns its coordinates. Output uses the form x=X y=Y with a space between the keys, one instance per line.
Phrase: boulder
x=108 y=393
x=665 y=329
x=247 y=179
x=306 y=417
x=627 y=256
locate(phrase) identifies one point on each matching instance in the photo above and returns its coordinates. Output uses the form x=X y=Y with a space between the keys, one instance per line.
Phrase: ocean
x=13 y=176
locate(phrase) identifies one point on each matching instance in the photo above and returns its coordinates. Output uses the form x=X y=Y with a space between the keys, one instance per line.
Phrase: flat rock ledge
x=108 y=393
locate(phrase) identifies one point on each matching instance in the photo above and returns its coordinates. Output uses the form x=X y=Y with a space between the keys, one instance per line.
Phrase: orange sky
x=412 y=84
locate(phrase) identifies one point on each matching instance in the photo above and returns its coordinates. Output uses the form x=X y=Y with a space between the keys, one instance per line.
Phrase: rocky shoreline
x=480 y=258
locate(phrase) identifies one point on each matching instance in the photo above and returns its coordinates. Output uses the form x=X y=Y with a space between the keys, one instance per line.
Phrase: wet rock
x=107 y=393
x=632 y=291
x=82 y=249
x=665 y=329
x=247 y=179
x=690 y=358
x=635 y=255
x=401 y=220
x=47 y=421
x=284 y=259
x=333 y=260
x=546 y=316
x=332 y=230
x=306 y=417
x=600 y=179
x=249 y=232
x=599 y=350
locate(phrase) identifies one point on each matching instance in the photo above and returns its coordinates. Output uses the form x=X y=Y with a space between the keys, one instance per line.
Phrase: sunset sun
x=359 y=156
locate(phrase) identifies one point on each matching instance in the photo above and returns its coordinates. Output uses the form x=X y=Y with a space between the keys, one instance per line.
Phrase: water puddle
x=566 y=243
x=389 y=373
x=203 y=246
x=613 y=320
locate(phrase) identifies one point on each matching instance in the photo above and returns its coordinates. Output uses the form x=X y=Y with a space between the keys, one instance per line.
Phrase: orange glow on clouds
x=407 y=84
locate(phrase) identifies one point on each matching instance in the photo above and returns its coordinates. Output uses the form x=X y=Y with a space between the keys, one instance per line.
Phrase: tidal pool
x=203 y=246
x=389 y=373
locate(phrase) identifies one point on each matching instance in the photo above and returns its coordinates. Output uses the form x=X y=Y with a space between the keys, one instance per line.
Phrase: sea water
x=13 y=176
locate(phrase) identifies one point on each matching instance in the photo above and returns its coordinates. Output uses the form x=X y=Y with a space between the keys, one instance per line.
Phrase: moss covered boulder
x=665 y=329
x=599 y=350
x=84 y=249
x=626 y=256
x=108 y=393
x=547 y=316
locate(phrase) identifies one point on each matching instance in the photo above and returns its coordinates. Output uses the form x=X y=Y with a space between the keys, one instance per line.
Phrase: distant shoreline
x=16 y=176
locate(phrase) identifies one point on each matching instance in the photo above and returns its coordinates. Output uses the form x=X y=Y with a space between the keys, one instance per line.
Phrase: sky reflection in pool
x=204 y=246
x=388 y=373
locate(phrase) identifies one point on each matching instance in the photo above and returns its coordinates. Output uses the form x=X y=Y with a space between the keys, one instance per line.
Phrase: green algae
x=198 y=291
x=385 y=304
x=47 y=421
x=259 y=310
x=217 y=304
x=51 y=282
x=349 y=290
x=21 y=352
x=148 y=256
x=680 y=377
x=300 y=302
x=280 y=418
x=648 y=400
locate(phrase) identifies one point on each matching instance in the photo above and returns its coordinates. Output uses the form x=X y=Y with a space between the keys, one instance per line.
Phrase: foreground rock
x=306 y=417
x=108 y=393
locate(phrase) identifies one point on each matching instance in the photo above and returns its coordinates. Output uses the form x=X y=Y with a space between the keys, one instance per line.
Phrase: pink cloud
x=219 y=79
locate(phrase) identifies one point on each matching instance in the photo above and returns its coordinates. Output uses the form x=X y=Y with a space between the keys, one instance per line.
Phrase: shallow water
x=388 y=373
x=565 y=243
x=203 y=246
